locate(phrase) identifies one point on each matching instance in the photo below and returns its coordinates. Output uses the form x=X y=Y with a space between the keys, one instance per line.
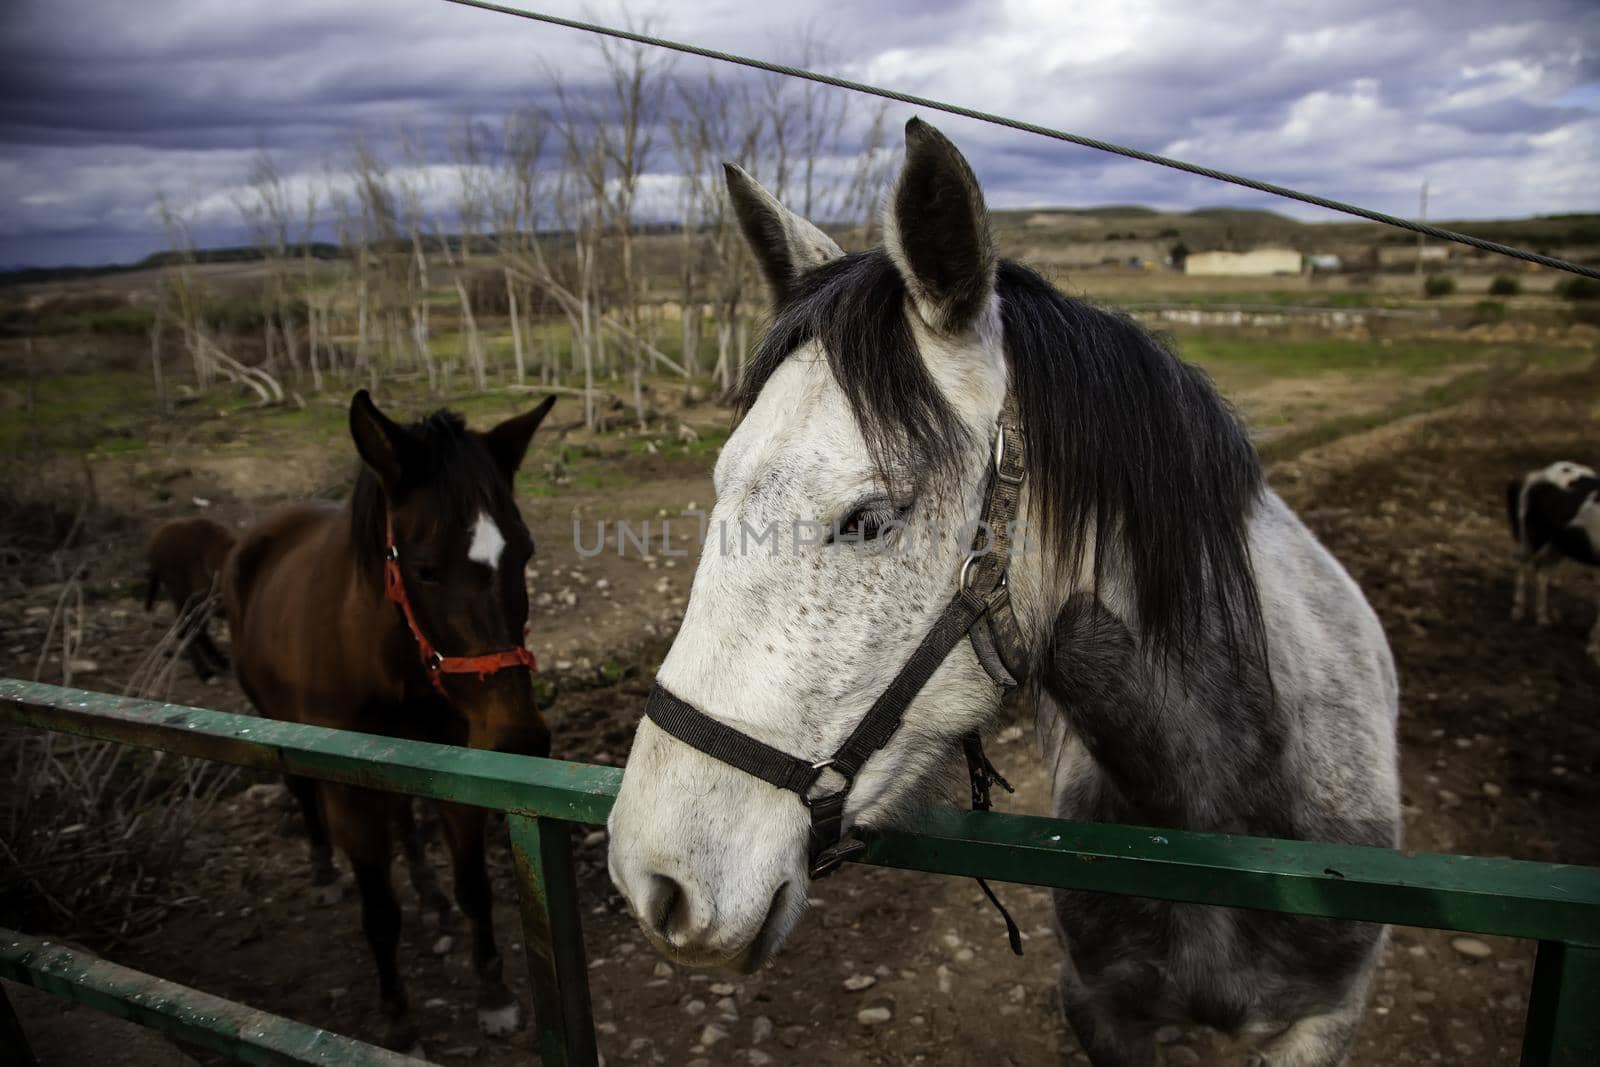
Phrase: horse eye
x=427 y=574
x=865 y=523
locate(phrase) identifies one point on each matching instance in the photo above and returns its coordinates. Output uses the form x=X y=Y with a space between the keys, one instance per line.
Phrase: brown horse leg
x=324 y=876
x=499 y=1015
x=208 y=650
x=359 y=822
x=194 y=652
x=195 y=640
x=434 y=903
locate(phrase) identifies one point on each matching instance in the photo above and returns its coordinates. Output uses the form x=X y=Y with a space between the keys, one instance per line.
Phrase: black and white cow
x=1555 y=515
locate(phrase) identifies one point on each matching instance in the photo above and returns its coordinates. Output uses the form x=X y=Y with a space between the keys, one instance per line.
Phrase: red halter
x=437 y=664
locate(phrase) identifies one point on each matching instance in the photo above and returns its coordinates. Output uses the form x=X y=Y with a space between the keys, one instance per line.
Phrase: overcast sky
x=106 y=103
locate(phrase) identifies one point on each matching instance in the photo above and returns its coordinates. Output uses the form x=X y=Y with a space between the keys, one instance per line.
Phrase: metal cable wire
x=1043 y=131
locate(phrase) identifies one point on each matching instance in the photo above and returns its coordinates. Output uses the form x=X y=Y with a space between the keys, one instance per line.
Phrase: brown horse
x=335 y=615
x=185 y=557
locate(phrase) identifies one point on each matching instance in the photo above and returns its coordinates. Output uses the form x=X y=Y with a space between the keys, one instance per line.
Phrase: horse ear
x=936 y=229
x=785 y=245
x=384 y=444
x=508 y=442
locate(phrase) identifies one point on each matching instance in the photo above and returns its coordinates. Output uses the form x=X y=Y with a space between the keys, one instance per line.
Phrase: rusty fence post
x=552 y=938
x=1563 y=1029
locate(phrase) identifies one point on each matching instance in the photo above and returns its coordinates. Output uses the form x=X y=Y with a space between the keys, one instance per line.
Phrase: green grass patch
x=709 y=443
x=78 y=411
x=1330 y=430
x=1457 y=389
x=121 y=446
x=1239 y=363
x=1330 y=298
x=596 y=477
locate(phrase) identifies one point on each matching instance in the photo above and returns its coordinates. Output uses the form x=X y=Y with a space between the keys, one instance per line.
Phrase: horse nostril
x=668 y=907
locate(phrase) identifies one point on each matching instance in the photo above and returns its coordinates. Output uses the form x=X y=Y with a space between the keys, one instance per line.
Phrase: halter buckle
x=961 y=582
x=834 y=856
x=816 y=773
x=999 y=460
x=435 y=660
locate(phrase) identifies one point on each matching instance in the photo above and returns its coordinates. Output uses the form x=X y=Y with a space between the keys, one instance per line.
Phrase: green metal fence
x=1556 y=905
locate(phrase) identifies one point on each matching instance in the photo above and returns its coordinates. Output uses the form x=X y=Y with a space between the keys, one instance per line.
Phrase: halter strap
x=433 y=661
x=695 y=728
x=996 y=637
x=980 y=610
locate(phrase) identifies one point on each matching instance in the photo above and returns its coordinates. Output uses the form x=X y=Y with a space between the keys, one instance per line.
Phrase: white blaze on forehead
x=487 y=542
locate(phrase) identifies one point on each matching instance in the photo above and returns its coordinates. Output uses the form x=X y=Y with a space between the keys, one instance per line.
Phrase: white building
x=1407 y=255
x=1258 y=261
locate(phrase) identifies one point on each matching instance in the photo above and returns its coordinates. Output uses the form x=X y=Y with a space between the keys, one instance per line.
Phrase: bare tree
x=184 y=304
x=797 y=139
x=517 y=215
x=471 y=204
x=612 y=144
x=162 y=404
x=376 y=235
x=721 y=122
x=265 y=208
x=547 y=210
x=414 y=187
x=308 y=284
x=691 y=150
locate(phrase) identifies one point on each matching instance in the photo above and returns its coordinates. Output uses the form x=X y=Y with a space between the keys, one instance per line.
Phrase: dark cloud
x=105 y=104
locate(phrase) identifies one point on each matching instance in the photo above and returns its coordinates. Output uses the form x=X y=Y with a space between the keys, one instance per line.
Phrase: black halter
x=980 y=610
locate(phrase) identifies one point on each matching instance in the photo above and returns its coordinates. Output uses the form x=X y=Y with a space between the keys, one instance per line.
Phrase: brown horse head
x=446 y=494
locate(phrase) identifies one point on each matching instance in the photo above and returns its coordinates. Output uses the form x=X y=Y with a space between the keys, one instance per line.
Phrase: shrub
x=1438 y=285
x=1587 y=313
x=1504 y=285
x=1579 y=289
x=235 y=313
x=1488 y=311
x=77 y=314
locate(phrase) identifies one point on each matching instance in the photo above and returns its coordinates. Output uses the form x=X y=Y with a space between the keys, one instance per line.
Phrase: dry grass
x=90 y=831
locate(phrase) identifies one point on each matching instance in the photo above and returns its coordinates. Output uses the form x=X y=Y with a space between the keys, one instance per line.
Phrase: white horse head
x=862 y=457
x=823 y=566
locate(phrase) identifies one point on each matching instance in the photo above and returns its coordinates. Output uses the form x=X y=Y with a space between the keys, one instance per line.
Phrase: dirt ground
x=1501 y=756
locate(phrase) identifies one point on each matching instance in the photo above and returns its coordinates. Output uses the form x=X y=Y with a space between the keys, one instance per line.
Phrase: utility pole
x=1422 y=216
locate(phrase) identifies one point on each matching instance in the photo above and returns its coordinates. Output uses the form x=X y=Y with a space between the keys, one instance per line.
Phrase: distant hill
x=1107 y=211
x=154 y=261
x=1124 y=231
x=1240 y=214
x=1239 y=229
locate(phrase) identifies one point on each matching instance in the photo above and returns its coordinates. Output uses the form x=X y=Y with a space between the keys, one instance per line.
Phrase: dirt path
x=1500 y=750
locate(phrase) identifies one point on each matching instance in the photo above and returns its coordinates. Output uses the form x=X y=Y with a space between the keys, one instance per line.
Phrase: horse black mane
x=450 y=460
x=1127 y=445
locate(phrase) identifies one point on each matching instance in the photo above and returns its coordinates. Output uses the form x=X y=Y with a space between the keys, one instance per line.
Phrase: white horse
x=1203 y=662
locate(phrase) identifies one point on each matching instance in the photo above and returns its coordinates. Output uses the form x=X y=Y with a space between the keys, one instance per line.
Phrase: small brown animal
x=185 y=557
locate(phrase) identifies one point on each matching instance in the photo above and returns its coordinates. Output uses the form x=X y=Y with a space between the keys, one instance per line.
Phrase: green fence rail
x=220 y=1025
x=1556 y=905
